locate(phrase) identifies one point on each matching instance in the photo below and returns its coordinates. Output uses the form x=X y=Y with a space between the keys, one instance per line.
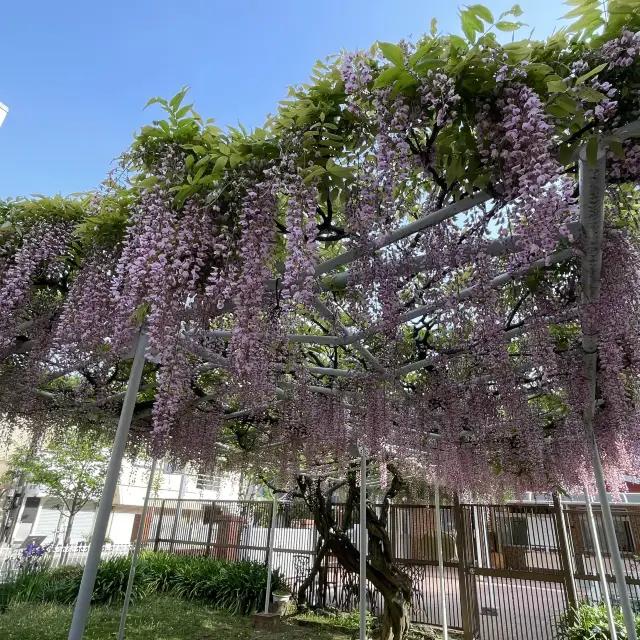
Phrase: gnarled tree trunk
x=382 y=569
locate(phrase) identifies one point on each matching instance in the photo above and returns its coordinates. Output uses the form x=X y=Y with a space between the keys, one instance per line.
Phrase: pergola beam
x=405 y=231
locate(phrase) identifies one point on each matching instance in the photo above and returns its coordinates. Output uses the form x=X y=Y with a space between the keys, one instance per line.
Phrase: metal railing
x=510 y=570
x=11 y=559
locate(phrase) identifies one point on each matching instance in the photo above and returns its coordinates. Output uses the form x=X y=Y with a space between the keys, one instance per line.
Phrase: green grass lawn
x=157 y=618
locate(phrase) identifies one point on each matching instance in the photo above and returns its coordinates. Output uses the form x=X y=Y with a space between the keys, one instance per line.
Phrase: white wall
x=121 y=527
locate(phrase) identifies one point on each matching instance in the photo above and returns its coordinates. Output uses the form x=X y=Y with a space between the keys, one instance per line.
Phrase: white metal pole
x=485 y=538
x=83 y=602
x=443 y=594
x=272 y=535
x=363 y=546
x=178 y=513
x=592 y=192
x=136 y=552
x=600 y=564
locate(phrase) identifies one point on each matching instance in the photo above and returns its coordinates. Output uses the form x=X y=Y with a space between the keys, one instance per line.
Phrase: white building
x=40 y=516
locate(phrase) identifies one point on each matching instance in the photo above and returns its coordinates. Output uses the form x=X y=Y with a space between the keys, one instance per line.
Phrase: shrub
x=112 y=578
x=590 y=622
x=163 y=566
x=236 y=587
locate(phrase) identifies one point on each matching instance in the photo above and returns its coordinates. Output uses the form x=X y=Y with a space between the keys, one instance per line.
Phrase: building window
x=208 y=483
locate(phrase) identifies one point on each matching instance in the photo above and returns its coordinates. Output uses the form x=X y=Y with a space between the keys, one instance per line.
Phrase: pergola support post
x=83 y=602
x=136 y=551
x=604 y=585
x=592 y=193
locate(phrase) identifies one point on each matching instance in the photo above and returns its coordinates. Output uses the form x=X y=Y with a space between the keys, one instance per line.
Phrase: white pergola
x=590 y=229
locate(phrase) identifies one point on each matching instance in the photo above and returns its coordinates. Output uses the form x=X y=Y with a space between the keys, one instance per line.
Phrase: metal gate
x=518 y=568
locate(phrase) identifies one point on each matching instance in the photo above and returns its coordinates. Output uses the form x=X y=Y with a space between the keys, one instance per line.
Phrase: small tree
x=72 y=468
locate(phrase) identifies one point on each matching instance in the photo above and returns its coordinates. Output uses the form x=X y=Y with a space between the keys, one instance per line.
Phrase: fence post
x=210 y=533
x=156 y=544
x=443 y=593
x=468 y=597
x=271 y=536
x=465 y=605
x=565 y=554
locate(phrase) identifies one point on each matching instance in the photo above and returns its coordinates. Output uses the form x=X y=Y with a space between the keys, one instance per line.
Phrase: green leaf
x=591 y=95
x=482 y=12
x=234 y=160
x=508 y=26
x=557 y=111
x=220 y=164
x=467 y=26
x=615 y=145
x=566 y=103
x=183 y=112
x=592 y=151
x=515 y=11
x=420 y=53
x=475 y=22
x=199 y=149
x=566 y=153
x=151 y=101
x=341 y=172
x=580 y=11
x=388 y=76
x=591 y=73
x=539 y=68
x=147 y=182
x=392 y=52
x=434 y=27
x=177 y=99
x=405 y=81
x=457 y=41
x=556 y=86
x=316 y=170
x=428 y=63
x=590 y=22
x=189 y=162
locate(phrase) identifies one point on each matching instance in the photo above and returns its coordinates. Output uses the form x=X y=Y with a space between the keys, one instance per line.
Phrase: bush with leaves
x=590 y=622
x=235 y=587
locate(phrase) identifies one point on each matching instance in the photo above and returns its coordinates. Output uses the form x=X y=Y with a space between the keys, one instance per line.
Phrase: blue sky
x=76 y=74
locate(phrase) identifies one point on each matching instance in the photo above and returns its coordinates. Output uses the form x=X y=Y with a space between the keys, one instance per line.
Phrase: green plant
x=112 y=578
x=164 y=567
x=590 y=622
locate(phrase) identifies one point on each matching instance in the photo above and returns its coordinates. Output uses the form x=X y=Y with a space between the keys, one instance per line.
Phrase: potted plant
x=283 y=594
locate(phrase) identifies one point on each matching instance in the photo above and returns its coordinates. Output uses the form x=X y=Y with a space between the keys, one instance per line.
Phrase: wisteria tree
x=453 y=351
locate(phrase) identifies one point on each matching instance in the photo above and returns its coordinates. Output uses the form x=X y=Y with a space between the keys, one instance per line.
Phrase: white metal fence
x=12 y=559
